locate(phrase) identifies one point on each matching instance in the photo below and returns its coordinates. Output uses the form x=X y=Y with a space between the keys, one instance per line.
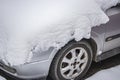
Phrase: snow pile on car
x=40 y=24
x=109 y=74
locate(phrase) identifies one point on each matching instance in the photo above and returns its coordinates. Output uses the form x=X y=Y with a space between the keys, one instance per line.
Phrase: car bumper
x=33 y=70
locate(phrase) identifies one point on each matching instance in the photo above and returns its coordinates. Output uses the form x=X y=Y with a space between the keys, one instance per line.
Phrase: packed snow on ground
x=27 y=25
x=109 y=74
x=1 y=78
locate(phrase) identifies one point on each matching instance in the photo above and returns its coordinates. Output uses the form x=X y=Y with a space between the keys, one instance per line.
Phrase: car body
x=105 y=42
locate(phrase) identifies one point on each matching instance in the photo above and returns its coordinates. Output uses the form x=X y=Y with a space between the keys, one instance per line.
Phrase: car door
x=112 y=36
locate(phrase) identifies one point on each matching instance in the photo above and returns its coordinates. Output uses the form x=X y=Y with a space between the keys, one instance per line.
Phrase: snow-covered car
x=62 y=57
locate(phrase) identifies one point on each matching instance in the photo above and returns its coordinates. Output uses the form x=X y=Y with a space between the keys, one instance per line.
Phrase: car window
x=113 y=10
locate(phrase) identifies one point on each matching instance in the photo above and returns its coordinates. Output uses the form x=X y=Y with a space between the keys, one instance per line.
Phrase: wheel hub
x=75 y=63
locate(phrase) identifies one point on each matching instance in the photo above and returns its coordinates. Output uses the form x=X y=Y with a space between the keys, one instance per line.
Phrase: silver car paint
x=112 y=28
x=40 y=65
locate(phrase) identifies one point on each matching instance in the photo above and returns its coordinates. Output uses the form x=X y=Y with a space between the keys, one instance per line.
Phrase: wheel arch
x=90 y=41
x=93 y=45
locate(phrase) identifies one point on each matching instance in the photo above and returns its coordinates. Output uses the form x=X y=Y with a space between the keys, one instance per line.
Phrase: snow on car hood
x=41 y=24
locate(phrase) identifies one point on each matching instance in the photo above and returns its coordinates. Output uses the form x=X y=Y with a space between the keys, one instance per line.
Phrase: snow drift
x=41 y=24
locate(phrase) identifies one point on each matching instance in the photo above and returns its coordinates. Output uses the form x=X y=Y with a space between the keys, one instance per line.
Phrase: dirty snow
x=109 y=74
x=27 y=25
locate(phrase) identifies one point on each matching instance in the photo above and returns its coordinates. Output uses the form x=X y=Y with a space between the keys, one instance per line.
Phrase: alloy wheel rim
x=74 y=63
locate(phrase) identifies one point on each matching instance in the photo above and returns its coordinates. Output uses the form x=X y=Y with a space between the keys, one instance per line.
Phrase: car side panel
x=112 y=36
x=97 y=35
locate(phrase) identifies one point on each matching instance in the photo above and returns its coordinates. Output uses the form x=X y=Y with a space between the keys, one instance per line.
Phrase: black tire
x=55 y=73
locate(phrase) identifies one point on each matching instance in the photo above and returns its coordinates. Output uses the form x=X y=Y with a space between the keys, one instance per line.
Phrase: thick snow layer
x=40 y=24
x=110 y=74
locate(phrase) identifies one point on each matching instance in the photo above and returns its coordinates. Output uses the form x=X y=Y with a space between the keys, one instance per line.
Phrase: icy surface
x=109 y=74
x=41 y=24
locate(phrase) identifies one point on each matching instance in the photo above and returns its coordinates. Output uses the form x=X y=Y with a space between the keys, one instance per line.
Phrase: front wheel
x=72 y=61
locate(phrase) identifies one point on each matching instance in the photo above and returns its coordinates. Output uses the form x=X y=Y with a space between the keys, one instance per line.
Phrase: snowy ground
x=1 y=78
x=109 y=74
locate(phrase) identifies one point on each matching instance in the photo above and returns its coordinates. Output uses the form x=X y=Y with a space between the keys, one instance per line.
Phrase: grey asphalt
x=106 y=64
